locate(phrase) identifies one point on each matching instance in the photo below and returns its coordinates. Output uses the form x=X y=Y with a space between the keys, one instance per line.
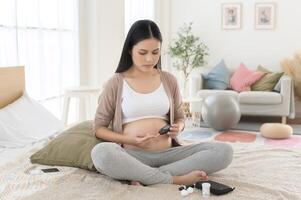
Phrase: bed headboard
x=12 y=84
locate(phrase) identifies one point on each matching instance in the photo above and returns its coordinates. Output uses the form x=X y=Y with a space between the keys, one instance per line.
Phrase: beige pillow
x=72 y=148
x=268 y=81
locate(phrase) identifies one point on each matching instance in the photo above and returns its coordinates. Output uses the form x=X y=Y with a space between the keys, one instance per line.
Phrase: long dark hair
x=140 y=30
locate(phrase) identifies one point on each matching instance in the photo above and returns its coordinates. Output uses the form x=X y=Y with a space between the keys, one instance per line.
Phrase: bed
x=12 y=84
x=261 y=169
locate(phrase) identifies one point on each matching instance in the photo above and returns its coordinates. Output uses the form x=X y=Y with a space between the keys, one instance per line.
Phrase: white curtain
x=136 y=10
x=43 y=36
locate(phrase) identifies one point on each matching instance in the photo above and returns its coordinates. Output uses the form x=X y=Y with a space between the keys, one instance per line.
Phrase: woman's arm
x=108 y=135
x=178 y=108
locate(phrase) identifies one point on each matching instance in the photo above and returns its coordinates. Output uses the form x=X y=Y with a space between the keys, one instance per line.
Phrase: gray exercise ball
x=221 y=112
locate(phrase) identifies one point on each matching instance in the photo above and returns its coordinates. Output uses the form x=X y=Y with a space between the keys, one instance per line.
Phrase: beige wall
x=102 y=35
x=253 y=47
x=101 y=39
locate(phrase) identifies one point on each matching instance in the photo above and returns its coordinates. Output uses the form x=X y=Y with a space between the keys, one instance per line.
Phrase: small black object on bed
x=215 y=187
x=48 y=170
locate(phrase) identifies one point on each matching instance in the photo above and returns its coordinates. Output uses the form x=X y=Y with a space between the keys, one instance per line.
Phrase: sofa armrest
x=285 y=85
x=287 y=93
x=195 y=84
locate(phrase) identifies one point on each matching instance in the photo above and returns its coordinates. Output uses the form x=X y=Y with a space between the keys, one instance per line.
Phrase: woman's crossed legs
x=178 y=165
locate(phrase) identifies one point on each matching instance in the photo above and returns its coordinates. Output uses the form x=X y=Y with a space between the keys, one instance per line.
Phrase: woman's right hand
x=141 y=140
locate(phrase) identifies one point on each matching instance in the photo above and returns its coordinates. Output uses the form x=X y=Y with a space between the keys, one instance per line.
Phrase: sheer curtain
x=43 y=36
x=136 y=10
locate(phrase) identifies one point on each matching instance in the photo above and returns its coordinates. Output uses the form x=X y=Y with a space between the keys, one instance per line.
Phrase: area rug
x=253 y=126
x=237 y=136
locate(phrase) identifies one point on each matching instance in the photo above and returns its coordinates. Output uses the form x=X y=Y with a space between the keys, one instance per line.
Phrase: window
x=138 y=9
x=43 y=36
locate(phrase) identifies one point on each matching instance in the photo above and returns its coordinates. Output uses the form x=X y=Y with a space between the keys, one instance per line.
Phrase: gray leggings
x=159 y=166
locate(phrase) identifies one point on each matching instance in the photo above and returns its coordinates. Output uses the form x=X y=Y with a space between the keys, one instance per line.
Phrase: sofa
x=253 y=103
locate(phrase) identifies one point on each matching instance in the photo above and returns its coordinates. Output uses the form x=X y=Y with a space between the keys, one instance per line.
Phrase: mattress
x=19 y=177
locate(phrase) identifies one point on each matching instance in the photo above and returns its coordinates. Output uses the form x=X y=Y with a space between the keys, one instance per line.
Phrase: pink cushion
x=243 y=78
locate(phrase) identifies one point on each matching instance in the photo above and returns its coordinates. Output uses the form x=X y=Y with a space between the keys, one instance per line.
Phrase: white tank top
x=137 y=106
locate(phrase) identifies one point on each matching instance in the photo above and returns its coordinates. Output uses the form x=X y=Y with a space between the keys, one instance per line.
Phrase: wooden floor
x=294 y=121
x=269 y=119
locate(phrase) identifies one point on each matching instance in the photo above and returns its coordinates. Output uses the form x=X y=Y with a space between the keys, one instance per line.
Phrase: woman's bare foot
x=190 y=178
x=136 y=183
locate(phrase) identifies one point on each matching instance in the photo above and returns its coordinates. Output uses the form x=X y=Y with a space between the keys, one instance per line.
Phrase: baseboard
x=294 y=121
x=268 y=119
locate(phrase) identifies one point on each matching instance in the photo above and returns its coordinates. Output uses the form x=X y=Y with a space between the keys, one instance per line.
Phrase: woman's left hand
x=174 y=130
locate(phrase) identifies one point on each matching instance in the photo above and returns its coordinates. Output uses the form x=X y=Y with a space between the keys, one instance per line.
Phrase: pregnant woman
x=136 y=102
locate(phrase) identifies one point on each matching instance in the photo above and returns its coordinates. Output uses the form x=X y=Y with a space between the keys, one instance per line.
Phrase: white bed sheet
x=10 y=154
x=253 y=172
x=19 y=177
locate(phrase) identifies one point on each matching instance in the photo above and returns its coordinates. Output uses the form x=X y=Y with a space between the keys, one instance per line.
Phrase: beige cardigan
x=109 y=114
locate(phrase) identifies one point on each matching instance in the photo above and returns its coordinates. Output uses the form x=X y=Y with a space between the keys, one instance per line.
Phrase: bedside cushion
x=72 y=148
x=25 y=121
x=218 y=77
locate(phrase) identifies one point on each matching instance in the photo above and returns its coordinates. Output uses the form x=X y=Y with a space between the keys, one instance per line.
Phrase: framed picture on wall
x=265 y=15
x=231 y=15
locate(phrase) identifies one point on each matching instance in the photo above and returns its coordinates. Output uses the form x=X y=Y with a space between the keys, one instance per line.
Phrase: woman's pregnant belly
x=144 y=127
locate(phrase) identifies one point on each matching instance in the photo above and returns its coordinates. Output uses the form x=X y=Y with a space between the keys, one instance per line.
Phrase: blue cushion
x=218 y=78
x=215 y=85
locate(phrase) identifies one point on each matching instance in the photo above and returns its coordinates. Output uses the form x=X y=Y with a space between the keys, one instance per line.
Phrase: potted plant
x=188 y=52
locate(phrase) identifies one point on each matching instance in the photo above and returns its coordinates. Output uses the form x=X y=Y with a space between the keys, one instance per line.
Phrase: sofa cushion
x=268 y=81
x=243 y=78
x=206 y=93
x=218 y=77
x=259 y=97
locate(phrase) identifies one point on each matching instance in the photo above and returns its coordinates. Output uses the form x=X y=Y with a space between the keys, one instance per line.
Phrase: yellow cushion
x=276 y=130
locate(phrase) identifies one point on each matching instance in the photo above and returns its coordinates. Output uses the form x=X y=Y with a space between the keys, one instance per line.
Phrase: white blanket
x=258 y=172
